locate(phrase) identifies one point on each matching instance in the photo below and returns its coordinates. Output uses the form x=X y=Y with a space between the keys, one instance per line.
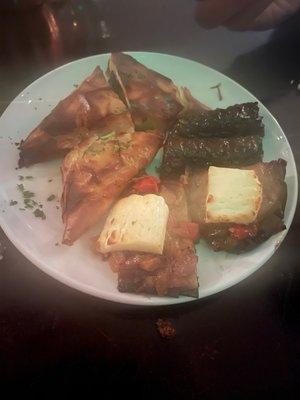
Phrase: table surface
x=242 y=342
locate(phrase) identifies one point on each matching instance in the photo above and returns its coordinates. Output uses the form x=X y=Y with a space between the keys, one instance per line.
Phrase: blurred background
x=39 y=35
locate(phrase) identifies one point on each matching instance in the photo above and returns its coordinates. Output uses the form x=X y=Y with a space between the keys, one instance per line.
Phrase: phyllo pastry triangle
x=97 y=171
x=91 y=108
x=153 y=99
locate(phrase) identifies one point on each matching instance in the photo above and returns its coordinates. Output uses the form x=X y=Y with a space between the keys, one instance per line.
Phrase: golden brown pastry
x=97 y=171
x=92 y=108
x=153 y=99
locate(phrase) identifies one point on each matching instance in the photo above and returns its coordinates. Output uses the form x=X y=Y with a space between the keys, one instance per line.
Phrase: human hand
x=245 y=14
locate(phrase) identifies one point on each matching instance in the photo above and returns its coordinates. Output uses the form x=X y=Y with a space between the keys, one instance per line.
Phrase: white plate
x=76 y=266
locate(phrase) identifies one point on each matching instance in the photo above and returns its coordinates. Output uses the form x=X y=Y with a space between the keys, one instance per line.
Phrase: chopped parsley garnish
x=39 y=214
x=22 y=178
x=108 y=136
x=29 y=203
x=27 y=194
x=51 y=197
x=120 y=147
x=13 y=202
x=21 y=187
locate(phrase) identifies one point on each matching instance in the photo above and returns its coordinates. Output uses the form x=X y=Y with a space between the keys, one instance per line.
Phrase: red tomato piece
x=146 y=184
x=241 y=232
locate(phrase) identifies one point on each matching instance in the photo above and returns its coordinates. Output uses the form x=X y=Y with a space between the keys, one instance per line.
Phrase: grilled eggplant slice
x=154 y=101
x=92 y=108
x=233 y=237
x=237 y=120
x=180 y=152
x=96 y=172
x=173 y=273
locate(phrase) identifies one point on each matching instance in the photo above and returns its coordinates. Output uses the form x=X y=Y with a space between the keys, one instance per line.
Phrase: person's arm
x=245 y=14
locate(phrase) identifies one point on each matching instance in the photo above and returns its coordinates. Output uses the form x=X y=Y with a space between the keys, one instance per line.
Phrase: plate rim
x=142 y=300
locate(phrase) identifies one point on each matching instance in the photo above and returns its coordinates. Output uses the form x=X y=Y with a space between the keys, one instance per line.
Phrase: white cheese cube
x=234 y=195
x=136 y=223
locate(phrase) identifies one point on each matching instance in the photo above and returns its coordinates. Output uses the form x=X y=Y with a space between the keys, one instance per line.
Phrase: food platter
x=40 y=239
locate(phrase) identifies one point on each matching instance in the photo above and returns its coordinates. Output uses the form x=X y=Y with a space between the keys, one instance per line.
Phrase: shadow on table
x=271 y=70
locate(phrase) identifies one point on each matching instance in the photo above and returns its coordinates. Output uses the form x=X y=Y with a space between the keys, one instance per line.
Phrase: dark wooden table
x=241 y=343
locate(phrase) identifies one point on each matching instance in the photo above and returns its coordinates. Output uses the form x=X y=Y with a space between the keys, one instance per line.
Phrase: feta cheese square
x=234 y=195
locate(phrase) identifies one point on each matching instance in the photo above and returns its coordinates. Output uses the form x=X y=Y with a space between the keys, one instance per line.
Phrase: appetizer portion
x=92 y=108
x=97 y=171
x=238 y=208
x=156 y=254
x=213 y=184
x=223 y=137
x=153 y=99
